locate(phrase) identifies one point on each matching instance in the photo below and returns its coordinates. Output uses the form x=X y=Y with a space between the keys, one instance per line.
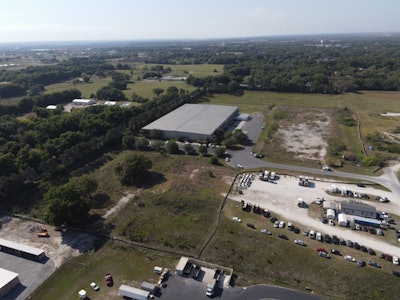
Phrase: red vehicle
x=109 y=280
x=320 y=249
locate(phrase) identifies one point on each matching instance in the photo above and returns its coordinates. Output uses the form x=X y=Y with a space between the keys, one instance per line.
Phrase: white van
x=312 y=234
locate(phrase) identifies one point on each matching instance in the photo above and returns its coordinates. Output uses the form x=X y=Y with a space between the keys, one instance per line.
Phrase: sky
x=100 y=20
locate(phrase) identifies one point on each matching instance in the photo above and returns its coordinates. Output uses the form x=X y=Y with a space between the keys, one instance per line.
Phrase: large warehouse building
x=8 y=281
x=194 y=121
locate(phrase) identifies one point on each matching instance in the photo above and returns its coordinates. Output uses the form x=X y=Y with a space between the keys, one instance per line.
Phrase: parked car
x=396 y=273
x=361 y=263
x=331 y=222
x=363 y=249
x=327 y=239
x=236 y=219
x=388 y=257
x=273 y=219
x=290 y=226
x=276 y=224
x=109 y=280
x=360 y=185
x=319 y=249
x=395 y=260
x=379 y=232
x=349 y=258
x=349 y=243
x=250 y=225
x=94 y=286
x=296 y=230
x=299 y=242
x=374 y=264
x=282 y=236
x=371 y=251
x=324 y=254
x=334 y=251
x=266 y=231
x=318 y=237
x=305 y=232
x=282 y=224
x=357 y=246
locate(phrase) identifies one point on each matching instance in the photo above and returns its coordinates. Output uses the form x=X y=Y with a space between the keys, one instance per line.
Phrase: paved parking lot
x=31 y=274
x=179 y=287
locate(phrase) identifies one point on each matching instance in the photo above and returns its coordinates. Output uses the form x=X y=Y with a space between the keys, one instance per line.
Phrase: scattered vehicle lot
x=283 y=196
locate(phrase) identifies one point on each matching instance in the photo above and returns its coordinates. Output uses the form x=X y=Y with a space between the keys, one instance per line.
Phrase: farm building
x=21 y=250
x=111 y=103
x=194 y=121
x=8 y=281
x=84 y=101
x=358 y=209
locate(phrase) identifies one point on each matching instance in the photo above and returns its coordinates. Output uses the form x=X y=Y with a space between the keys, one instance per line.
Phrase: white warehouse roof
x=194 y=120
x=6 y=277
x=21 y=247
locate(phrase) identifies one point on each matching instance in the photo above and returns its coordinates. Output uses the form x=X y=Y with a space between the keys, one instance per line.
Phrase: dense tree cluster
x=60 y=142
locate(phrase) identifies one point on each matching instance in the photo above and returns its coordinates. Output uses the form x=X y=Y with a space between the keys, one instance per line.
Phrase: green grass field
x=178 y=211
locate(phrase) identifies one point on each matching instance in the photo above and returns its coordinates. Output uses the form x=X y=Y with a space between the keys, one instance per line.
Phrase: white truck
x=211 y=288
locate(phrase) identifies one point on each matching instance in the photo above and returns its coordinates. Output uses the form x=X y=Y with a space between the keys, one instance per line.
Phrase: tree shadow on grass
x=151 y=179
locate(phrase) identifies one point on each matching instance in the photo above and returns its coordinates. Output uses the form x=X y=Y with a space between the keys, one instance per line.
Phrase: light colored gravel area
x=282 y=198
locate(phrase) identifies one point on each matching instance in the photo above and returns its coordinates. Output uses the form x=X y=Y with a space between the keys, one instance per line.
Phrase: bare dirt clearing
x=58 y=247
x=302 y=133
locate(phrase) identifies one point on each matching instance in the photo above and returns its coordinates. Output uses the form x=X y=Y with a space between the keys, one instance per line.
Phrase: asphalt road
x=244 y=157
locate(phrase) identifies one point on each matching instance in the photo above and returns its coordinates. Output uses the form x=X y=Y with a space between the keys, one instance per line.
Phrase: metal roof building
x=194 y=121
x=8 y=281
x=358 y=209
x=21 y=250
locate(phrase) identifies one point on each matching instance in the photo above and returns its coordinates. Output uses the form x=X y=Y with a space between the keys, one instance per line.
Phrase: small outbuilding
x=8 y=281
x=84 y=101
x=181 y=266
x=358 y=209
x=330 y=213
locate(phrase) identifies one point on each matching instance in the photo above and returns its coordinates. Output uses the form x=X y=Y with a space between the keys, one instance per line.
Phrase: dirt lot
x=58 y=247
x=302 y=133
x=282 y=196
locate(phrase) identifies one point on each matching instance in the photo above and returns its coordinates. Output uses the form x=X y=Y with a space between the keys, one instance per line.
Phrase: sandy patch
x=306 y=140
